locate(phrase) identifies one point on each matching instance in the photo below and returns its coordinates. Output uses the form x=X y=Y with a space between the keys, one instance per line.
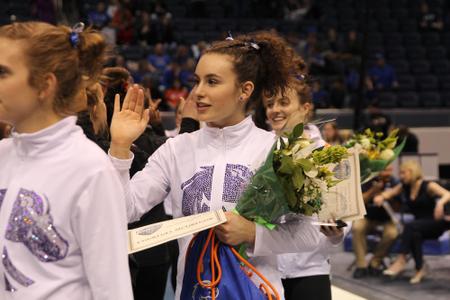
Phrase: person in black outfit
x=430 y=222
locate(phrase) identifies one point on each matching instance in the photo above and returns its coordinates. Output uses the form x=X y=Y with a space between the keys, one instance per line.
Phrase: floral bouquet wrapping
x=375 y=153
x=292 y=180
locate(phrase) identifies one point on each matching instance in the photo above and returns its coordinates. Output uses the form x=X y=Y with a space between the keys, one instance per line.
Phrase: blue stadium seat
x=439 y=246
x=392 y=38
x=440 y=67
x=416 y=52
x=389 y=25
x=411 y=39
x=408 y=99
x=401 y=66
x=430 y=39
x=387 y=100
x=406 y=83
x=408 y=25
x=427 y=82
x=445 y=82
x=445 y=97
x=436 y=52
x=395 y=52
x=419 y=67
x=430 y=99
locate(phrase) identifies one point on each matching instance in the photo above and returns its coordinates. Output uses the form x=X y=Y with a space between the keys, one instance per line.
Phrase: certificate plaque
x=156 y=234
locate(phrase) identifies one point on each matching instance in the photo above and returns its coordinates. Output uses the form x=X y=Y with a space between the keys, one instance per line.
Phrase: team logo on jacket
x=31 y=224
x=197 y=190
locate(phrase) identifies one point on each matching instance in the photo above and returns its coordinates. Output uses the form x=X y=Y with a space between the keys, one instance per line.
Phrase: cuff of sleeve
x=259 y=232
x=121 y=164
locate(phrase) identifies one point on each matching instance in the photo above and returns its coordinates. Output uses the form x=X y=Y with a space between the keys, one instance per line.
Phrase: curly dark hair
x=264 y=58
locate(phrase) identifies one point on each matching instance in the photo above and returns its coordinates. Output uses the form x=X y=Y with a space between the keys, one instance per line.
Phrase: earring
x=241 y=99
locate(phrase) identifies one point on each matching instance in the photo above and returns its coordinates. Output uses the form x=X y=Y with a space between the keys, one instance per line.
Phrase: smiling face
x=217 y=92
x=280 y=108
x=18 y=99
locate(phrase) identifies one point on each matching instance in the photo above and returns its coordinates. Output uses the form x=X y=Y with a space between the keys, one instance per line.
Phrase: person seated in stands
x=429 y=20
x=429 y=223
x=383 y=74
x=330 y=133
x=412 y=141
x=376 y=216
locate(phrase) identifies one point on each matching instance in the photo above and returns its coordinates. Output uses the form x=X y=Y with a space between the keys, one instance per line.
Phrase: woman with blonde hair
x=429 y=223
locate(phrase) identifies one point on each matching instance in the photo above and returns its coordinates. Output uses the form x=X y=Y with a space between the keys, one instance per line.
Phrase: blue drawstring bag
x=214 y=270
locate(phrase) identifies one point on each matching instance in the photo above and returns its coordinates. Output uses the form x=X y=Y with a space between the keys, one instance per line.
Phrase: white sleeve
x=291 y=237
x=149 y=186
x=100 y=227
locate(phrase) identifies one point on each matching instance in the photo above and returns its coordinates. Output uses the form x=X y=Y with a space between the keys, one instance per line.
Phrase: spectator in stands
x=352 y=48
x=159 y=59
x=429 y=20
x=378 y=121
x=109 y=32
x=143 y=29
x=99 y=18
x=161 y=24
x=338 y=93
x=123 y=22
x=429 y=223
x=412 y=142
x=5 y=130
x=319 y=95
x=144 y=69
x=330 y=133
x=119 y=61
x=383 y=74
x=376 y=216
x=172 y=95
x=113 y=6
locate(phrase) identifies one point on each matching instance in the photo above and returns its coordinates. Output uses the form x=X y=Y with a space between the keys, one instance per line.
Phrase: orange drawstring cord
x=263 y=288
x=215 y=265
x=249 y=265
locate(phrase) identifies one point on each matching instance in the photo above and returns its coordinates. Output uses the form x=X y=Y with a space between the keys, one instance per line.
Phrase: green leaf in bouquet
x=298 y=131
x=287 y=165
x=290 y=195
x=298 y=179
x=306 y=164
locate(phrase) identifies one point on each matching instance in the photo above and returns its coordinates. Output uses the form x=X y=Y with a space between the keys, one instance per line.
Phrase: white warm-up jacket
x=208 y=170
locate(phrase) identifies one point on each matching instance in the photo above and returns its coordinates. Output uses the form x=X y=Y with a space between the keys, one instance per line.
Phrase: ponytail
x=265 y=59
x=73 y=59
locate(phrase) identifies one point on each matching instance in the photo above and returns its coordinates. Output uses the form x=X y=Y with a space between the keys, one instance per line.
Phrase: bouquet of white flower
x=292 y=180
x=376 y=153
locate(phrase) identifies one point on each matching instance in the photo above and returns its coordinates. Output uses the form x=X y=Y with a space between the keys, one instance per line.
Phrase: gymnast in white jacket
x=62 y=210
x=306 y=275
x=209 y=169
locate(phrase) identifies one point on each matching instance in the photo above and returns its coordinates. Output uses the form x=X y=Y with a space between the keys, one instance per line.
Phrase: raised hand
x=188 y=107
x=128 y=122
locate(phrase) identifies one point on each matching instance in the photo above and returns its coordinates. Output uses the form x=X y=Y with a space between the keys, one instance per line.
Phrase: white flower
x=305 y=152
x=321 y=184
x=387 y=154
x=365 y=143
x=312 y=173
